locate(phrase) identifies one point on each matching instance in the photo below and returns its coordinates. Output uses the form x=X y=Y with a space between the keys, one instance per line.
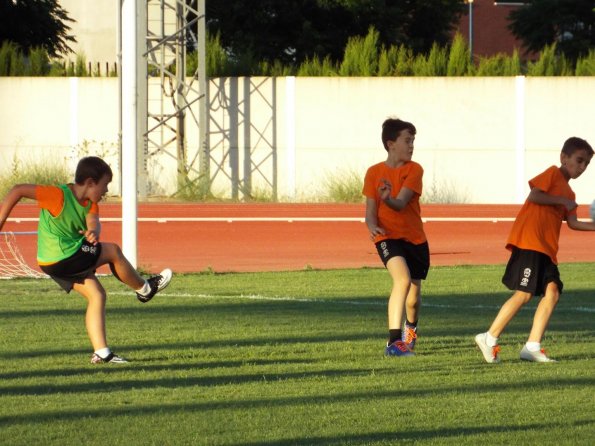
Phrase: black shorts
x=417 y=257
x=531 y=271
x=76 y=268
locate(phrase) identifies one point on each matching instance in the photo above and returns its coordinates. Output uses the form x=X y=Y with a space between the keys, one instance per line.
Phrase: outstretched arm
x=574 y=223
x=540 y=197
x=13 y=197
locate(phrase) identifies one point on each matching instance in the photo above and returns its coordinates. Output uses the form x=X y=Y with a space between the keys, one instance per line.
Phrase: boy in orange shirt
x=392 y=189
x=69 y=250
x=533 y=242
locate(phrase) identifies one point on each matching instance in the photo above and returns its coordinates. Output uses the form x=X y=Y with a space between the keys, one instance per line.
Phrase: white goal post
x=12 y=264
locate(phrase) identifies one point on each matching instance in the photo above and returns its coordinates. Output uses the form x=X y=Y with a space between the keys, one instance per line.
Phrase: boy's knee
x=114 y=251
x=524 y=297
x=402 y=286
x=118 y=250
x=95 y=296
x=552 y=292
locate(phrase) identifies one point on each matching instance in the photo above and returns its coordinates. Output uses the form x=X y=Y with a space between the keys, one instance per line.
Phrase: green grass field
x=293 y=358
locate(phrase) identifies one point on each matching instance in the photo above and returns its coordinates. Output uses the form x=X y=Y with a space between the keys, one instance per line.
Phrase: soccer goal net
x=12 y=264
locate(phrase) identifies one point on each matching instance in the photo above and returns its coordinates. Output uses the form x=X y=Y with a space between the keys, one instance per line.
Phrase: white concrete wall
x=58 y=119
x=481 y=137
x=95 y=29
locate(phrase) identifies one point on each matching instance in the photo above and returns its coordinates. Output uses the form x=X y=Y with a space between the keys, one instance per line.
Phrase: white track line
x=285 y=219
x=278 y=219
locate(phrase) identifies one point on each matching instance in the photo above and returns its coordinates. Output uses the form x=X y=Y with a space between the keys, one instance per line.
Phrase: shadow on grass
x=163 y=408
x=204 y=345
x=112 y=369
x=411 y=436
x=177 y=383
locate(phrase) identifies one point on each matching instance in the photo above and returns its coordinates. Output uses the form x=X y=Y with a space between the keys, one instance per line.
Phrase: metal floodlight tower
x=173 y=95
x=156 y=97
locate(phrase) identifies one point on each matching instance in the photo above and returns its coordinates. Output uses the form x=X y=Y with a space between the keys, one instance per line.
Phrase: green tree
x=35 y=24
x=294 y=31
x=568 y=24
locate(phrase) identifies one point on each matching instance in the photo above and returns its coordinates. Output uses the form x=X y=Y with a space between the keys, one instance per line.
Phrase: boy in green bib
x=69 y=250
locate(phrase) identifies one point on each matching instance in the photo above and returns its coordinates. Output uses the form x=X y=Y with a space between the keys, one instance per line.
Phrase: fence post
x=520 y=137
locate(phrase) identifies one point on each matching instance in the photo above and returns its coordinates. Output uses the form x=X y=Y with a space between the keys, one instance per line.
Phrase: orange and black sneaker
x=410 y=336
x=398 y=348
x=490 y=354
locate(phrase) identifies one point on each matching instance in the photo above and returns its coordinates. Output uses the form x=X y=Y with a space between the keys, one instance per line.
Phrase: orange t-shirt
x=537 y=226
x=406 y=223
x=52 y=199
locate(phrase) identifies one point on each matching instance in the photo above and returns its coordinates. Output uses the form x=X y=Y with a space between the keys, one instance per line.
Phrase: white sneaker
x=538 y=356
x=490 y=354
x=111 y=358
x=156 y=283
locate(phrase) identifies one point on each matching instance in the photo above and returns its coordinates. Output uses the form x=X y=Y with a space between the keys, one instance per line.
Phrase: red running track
x=238 y=237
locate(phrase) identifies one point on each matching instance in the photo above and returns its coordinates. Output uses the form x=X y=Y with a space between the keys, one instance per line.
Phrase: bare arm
x=13 y=197
x=93 y=229
x=538 y=196
x=400 y=201
x=574 y=223
x=372 y=218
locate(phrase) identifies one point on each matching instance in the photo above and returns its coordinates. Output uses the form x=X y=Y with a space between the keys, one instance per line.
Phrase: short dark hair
x=92 y=167
x=574 y=143
x=392 y=127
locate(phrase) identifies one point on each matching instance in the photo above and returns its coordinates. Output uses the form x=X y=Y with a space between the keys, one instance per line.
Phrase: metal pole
x=119 y=72
x=180 y=45
x=203 y=102
x=520 y=100
x=129 y=130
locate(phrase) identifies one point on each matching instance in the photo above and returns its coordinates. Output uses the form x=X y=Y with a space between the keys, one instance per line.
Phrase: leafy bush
x=8 y=53
x=499 y=65
x=316 y=67
x=13 y=62
x=434 y=65
x=550 y=64
x=258 y=194
x=39 y=62
x=386 y=61
x=444 y=192
x=459 y=63
x=344 y=187
x=274 y=69
x=198 y=189
x=404 y=64
x=586 y=65
x=34 y=172
x=361 y=55
x=216 y=59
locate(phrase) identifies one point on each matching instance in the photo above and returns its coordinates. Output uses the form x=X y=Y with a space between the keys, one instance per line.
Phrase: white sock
x=533 y=346
x=144 y=290
x=103 y=352
x=491 y=340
